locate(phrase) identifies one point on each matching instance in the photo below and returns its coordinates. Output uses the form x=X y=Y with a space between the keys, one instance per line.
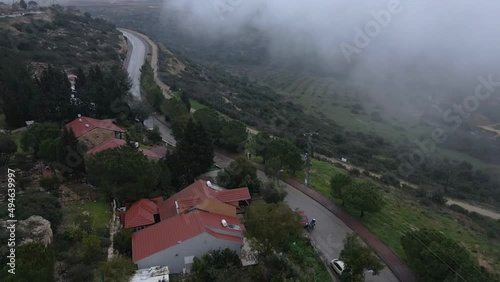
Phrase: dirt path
x=113 y=228
x=479 y=210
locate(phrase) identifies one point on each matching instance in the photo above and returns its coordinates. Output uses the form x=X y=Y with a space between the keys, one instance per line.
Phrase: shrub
x=49 y=183
x=354 y=172
x=24 y=182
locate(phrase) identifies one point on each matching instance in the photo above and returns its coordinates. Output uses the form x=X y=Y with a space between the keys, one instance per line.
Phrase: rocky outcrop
x=35 y=229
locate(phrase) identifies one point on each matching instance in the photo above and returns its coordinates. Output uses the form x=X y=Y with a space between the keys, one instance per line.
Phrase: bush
x=339 y=165
x=81 y=273
x=273 y=194
x=390 y=179
x=49 y=183
x=24 y=182
x=459 y=209
x=123 y=242
x=354 y=172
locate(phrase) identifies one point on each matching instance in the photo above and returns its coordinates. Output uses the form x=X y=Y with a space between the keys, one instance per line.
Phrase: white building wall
x=173 y=257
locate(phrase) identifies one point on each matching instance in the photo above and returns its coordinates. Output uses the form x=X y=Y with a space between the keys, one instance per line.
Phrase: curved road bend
x=333 y=226
x=134 y=62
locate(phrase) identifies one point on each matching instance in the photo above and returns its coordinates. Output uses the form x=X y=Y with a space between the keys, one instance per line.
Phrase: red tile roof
x=160 y=151
x=233 y=195
x=150 y=153
x=108 y=144
x=215 y=206
x=170 y=232
x=79 y=125
x=201 y=189
x=140 y=213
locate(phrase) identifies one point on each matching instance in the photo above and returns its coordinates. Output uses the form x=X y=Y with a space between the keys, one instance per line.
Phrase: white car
x=339 y=266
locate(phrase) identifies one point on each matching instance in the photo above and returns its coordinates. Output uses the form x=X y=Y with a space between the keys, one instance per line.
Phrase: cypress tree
x=193 y=156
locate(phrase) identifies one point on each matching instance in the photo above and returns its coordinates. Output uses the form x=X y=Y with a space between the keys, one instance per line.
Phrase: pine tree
x=72 y=155
x=194 y=154
x=16 y=88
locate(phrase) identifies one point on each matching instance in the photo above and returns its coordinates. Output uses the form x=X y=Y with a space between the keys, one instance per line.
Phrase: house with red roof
x=200 y=218
x=93 y=132
x=176 y=241
x=99 y=135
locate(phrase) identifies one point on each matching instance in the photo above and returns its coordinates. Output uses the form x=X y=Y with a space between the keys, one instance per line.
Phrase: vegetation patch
x=402 y=213
x=99 y=211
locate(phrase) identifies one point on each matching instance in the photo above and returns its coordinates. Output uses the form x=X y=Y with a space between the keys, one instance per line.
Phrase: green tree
x=48 y=150
x=193 y=156
x=154 y=136
x=150 y=90
x=165 y=179
x=72 y=151
x=273 y=167
x=176 y=112
x=49 y=183
x=210 y=120
x=117 y=269
x=233 y=135
x=8 y=147
x=124 y=173
x=288 y=153
x=338 y=182
x=51 y=101
x=364 y=197
x=122 y=242
x=233 y=175
x=42 y=204
x=258 y=144
x=91 y=249
x=272 y=193
x=23 y=4
x=270 y=226
x=16 y=88
x=435 y=257
x=36 y=133
x=359 y=258
x=185 y=100
x=34 y=262
x=215 y=265
x=253 y=185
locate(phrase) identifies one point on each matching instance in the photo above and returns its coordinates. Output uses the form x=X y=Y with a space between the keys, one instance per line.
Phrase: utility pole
x=308 y=157
x=446 y=184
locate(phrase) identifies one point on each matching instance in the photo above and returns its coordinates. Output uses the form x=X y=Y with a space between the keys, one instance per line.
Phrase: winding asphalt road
x=135 y=60
x=330 y=231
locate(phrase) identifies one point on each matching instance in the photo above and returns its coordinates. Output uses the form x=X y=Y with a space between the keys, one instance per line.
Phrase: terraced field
x=340 y=102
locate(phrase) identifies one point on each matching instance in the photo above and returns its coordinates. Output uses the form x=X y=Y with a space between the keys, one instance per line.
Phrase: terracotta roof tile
x=140 y=213
x=167 y=233
x=108 y=144
x=80 y=127
x=233 y=195
x=201 y=189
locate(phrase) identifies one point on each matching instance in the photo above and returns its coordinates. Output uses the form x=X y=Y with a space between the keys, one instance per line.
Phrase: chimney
x=80 y=120
x=87 y=125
